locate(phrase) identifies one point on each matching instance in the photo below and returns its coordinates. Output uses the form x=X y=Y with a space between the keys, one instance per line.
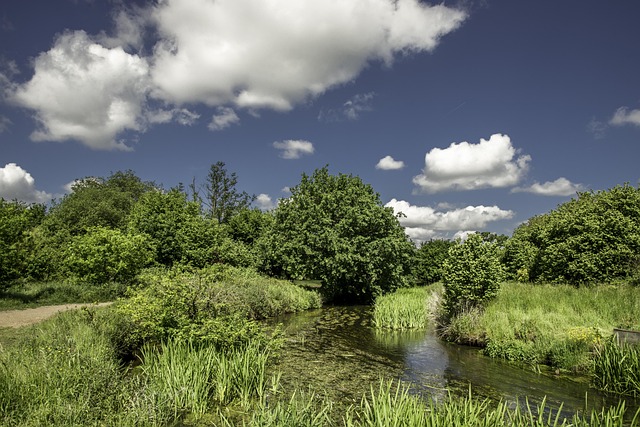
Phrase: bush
x=104 y=255
x=471 y=274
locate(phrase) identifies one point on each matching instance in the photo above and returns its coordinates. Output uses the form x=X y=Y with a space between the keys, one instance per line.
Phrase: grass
x=403 y=309
x=617 y=368
x=35 y=294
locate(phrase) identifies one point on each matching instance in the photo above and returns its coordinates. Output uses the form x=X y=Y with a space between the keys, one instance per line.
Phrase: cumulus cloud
x=624 y=116
x=294 y=149
x=223 y=118
x=350 y=110
x=277 y=53
x=560 y=187
x=17 y=183
x=389 y=163
x=84 y=91
x=265 y=202
x=423 y=222
x=464 y=166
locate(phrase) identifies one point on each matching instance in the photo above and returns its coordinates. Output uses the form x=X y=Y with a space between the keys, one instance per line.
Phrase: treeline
x=333 y=228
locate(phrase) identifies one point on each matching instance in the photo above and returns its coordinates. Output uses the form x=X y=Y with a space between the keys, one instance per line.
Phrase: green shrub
x=104 y=255
x=471 y=274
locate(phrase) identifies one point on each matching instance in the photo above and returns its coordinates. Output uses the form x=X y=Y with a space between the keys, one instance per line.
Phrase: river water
x=338 y=354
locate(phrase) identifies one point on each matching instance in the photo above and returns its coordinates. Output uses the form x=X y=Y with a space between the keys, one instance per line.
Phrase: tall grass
x=187 y=379
x=403 y=309
x=394 y=406
x=555 y=325
x=617 y=368
x=34 y=294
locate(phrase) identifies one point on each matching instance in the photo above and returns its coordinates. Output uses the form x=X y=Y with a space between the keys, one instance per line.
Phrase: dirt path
x=29 y=316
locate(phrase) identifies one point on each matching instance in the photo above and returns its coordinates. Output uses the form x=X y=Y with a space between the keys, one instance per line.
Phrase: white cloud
x=389 y=163
x=129 y=24
x=274 y=54
x=294 y=149
x=350 y=110
x=4 y=124
x=422 y=222
x=179 y=115
x=465 y=166
x=84 y=91
x=223 y=118
x=286 y=190
x=597 y=128
x=17 y=183
x=264 y=202
x=624 y=116
x=560 y=187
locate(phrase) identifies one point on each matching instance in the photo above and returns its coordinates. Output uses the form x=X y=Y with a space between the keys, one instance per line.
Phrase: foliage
x=104 y=255
x=471 y=274
x=594 y=238
x=97 y=202
x=248 y=225
x=16 y=220
x=221 y=196
x=429 y=260
x=334 y=228
x=215 y=305
x=29 y=294
x=402 y=309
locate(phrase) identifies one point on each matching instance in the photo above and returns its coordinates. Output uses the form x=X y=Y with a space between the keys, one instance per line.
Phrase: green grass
x=617 y=368
x=556 y=325
x=36 y=294
x=403 y=309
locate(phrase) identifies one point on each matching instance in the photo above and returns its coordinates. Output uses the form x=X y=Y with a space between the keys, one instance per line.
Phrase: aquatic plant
x=403 y=309
x=617 y=367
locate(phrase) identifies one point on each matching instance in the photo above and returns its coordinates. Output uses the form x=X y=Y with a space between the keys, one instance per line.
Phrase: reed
x=617 y=368
x=403 y=309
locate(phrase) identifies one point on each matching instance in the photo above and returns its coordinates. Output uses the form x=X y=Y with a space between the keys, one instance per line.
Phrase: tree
x=334 y=228
x=103 y=255
x=97 y=202
x=16 y=221
x=429 y=260
x=593 y=238
x=222 y=198
x=471 y=274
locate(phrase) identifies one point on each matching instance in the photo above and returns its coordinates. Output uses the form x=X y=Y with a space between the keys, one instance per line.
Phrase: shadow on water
x=337 y=353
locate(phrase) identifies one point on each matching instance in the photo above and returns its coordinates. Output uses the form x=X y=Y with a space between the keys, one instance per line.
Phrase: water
x=338 y=354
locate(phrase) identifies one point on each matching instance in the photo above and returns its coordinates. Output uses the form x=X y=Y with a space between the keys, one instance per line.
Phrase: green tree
x=429 y=260
x=103 y=255
x=17 y=219
x=97 y=202
x=594 y=238
x=334 y=228
x=471 y=274
x=222 y=198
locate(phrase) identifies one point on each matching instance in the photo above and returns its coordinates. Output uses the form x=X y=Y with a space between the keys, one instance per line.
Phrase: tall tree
x=335 y=229
x=222 y=198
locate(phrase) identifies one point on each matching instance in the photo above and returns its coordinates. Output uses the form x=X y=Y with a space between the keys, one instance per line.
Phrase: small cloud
x=624 y=116
x=352 y=109
x=294 y=149
x=560 y=187
x=4 y=124
x=464 y=166
x=223 y=118
x=423 y=222
x=597 y=128
x=17 y=183
x=286 y=190
x=264 y=202
x=179 y=115
x=389 y=163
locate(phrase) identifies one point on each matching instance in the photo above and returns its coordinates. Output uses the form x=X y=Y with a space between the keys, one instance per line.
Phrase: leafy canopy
x=334 y=228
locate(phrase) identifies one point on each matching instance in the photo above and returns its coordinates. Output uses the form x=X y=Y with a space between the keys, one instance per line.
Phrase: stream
x=338 y=354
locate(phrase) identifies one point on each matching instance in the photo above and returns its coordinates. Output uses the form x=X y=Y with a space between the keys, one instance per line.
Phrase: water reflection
x=338 y=353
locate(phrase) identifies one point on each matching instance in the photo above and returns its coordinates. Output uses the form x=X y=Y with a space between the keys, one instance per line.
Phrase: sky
x=463 y=115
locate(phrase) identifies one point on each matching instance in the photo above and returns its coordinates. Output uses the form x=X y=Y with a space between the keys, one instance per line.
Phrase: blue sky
x=469 y=115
